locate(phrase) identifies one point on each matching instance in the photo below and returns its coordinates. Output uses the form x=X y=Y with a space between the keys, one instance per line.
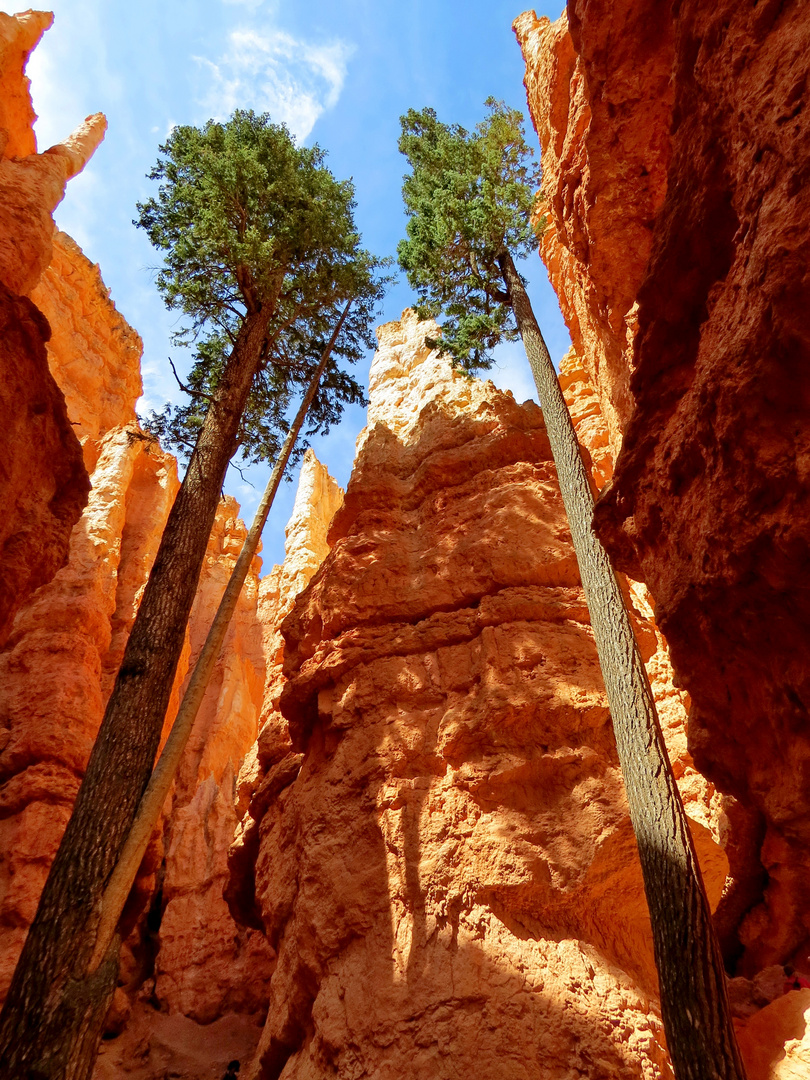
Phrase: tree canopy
x=247 y=219
x=469 y=197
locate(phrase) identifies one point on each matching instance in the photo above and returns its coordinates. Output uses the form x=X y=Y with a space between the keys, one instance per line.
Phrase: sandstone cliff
x=674 y=146
x=43 y=482
x=75 y=397
x=445 y=864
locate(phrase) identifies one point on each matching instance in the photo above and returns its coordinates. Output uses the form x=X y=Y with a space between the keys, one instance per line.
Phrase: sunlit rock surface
x=19 y=35
x=445 y=864
x=317 y=500
x=600 y=97
x=31 y=184
x=86 y=332
x=433 y=869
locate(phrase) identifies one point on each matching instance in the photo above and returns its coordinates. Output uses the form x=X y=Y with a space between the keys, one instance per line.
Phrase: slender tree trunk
x=123 y=876
x=694 y=1001
x=54 y=1013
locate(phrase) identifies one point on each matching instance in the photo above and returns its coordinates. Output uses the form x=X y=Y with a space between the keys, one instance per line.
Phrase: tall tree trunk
x=694 y=1001
x=123 y=876
x=54 y=1013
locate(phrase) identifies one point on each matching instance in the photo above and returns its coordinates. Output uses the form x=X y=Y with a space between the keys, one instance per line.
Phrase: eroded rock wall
x=317 y=500
x=43 y=482
x=445 y=864
x=600 y=97
x=675 y=146
x=699 y=217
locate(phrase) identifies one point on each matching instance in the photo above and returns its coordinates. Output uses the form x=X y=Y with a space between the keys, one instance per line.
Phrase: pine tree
x=470 y=201
x=261 y=254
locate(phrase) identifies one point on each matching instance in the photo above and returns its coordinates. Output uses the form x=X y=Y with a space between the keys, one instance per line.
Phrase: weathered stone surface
x=776 y=1041
x=206 y=966
x=93 y=353
x=446 y=866
x=51 y=694
x=709 y=500
x=675 y=147
x=43 y=482
x=601 y=98
x=587 y=416
x=19 y=36
x=171 y=1045
x=30 y=190
x=317 y=499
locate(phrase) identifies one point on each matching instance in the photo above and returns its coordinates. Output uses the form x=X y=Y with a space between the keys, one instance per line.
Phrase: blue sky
x=338 y=73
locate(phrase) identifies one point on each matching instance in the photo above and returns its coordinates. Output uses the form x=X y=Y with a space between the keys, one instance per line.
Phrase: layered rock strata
x=43 y=480
x=317 y=500
x=445 y=864
x=187 y=957
x=600 y=96
x=206 y=970
x=674 y=147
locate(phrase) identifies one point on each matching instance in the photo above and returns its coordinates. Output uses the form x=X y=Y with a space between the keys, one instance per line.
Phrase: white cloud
x=295 y=81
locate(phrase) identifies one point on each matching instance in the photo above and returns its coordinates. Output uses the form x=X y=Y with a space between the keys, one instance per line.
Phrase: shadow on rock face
x=451 y=880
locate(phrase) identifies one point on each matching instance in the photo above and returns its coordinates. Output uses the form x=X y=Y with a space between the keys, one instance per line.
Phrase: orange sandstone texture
x=19 y=35
x=51 y=696
x=42 y=480
x=776 y=1042
x=445 y=866
x=704 y=113
x=600 y=97
x=317 y=500
x=188 y=965
x=87 y=332
x=210 y=978
x=66 y=642
x=205 y=966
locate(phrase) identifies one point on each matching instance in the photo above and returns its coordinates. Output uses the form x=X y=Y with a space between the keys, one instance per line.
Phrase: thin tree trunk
x=123 y=876
x=54 y=1013
x=694 y=1001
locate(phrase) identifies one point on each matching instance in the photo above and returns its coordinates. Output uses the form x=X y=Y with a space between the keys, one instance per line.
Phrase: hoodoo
x=446 y=865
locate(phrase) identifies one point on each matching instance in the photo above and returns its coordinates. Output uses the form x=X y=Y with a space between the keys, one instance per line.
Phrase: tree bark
x=160 y=782
x=54 y=1014
x=694 y=1001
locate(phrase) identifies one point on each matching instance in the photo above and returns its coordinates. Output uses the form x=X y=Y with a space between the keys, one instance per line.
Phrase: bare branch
x=187 y=389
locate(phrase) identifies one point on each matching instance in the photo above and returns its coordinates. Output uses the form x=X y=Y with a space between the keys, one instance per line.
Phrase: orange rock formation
x=44 y=484
x=674 y=149
x=31 y=185
x=317 y=500
x=434 y=870
x=445 y=863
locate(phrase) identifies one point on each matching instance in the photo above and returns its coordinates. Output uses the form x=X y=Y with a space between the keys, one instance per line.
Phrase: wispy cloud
x=294 y=80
